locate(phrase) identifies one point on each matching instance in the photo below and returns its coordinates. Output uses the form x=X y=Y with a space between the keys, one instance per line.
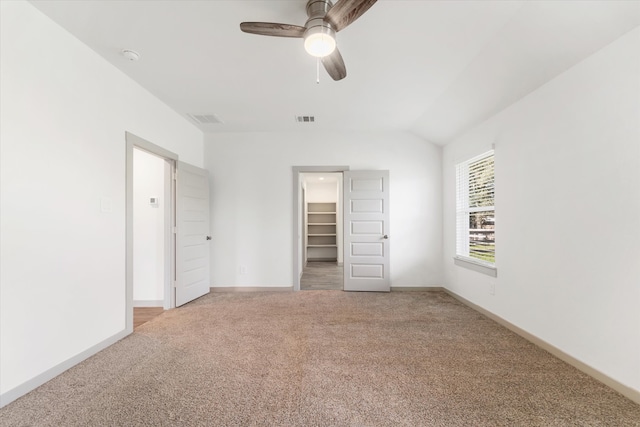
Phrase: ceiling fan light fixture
x=319 y=32
x=320 y=41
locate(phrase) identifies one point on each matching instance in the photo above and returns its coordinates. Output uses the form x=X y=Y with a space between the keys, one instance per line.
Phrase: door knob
x=208 y=237
x=385 y=237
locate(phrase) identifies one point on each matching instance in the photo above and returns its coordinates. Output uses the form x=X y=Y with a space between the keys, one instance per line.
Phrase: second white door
x=366 y=231
x=192 y=236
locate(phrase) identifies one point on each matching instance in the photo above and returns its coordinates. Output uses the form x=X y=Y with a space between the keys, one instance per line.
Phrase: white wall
x=322 y=192
x=568 y=212
x=148 y=229
x=251 y=193
x=64 y=112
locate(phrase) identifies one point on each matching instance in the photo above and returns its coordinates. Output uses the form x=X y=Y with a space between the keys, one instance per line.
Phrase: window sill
x=475 y=266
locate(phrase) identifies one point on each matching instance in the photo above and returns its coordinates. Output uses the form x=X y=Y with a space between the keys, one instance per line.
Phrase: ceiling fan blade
x=344 y=12
x=334 y=64
x=273 y=29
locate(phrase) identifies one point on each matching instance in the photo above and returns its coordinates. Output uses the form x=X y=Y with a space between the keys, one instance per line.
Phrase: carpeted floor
x=322 y=358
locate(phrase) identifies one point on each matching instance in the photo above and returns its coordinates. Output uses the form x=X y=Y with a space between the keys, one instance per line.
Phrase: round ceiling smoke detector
x=131 y=55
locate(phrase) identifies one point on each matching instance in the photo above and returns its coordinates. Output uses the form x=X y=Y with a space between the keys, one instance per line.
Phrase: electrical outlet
x=242 y=269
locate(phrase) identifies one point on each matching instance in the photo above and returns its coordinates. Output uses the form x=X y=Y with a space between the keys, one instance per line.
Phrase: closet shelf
x=321 y=232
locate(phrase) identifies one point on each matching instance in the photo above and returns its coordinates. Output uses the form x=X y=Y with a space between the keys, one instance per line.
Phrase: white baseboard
x=252 y=289
x=32 y=384
x=626 y=391
x=148 y=303
x=416 y=288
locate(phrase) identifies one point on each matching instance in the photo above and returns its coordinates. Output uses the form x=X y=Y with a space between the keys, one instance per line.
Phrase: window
x=475 y=211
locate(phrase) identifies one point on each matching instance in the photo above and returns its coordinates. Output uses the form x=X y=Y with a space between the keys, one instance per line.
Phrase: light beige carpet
x=322 y=358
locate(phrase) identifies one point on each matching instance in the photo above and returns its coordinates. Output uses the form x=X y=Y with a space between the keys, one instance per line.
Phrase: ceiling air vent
x=205 y=119
x=305 y=119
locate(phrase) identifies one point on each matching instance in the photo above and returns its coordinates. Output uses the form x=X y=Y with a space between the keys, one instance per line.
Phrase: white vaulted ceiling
x=434 y=68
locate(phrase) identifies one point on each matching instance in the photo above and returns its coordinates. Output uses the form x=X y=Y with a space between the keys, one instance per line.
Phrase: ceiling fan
x=319 y=32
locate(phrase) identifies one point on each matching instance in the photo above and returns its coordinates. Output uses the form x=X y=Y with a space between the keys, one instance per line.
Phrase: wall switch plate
x=106 y=205
x=492 y=288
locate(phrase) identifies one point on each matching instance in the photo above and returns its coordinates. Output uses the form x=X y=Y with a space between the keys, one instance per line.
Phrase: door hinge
x=175 y=175
x=175 y=230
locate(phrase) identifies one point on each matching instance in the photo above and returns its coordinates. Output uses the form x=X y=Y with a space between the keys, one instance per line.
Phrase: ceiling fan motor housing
x=318 y=8
x=316 y=26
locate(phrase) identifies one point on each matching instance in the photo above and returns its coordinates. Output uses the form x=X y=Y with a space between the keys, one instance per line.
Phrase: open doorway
x=365 y=235
x=331 y=260
x=152 y=213
x=151 y=229
x=322 y=230
x=151 y=207
x=185 y=238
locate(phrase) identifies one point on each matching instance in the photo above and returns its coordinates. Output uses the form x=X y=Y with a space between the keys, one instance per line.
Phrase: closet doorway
x=318 y=227
x=322 y=230
x=362 y=227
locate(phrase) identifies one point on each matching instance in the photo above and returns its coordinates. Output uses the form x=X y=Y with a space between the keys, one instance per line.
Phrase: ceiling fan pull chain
x=318 y=71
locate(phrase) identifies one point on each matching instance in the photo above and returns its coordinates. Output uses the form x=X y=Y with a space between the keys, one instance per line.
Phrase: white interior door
x=192 y=234
x=366 y=231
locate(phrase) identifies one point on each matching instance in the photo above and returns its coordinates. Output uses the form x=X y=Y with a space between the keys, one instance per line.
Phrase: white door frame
x=134 y=141
x=297 y=213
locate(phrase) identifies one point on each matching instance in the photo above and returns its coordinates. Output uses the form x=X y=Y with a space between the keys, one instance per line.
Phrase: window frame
x=463 y=210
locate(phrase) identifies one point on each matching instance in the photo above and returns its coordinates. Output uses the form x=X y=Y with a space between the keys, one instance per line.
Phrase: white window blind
x=475 y=210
